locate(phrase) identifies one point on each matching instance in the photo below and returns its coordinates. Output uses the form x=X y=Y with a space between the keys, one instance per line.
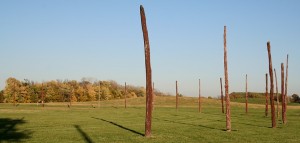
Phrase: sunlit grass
x=113 y=123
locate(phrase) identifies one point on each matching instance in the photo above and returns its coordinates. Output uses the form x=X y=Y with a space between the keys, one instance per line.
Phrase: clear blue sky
x=70 y=39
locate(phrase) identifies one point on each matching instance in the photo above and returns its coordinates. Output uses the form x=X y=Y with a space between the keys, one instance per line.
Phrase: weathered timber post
x=283 y=99
x=149 y=94
x=286 y=87
x=153 y=95
x=246 y=94
x=228 y=116
x=125 y=95
x=267 y=96
x=199 y=100
x=70 y=96
x=222 y=96
x=99 y=96
x=15 y=94
x=277 y=94
x=176 y=95
x=43 y=95
x=273 y=117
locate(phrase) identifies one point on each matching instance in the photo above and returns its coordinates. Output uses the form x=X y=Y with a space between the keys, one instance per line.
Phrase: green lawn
x=112 y=123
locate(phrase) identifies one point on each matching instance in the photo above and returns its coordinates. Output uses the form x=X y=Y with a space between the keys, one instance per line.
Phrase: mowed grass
x=113 y=123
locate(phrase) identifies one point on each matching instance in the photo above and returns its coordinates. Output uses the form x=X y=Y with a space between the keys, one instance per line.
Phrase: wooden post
x=246 y=94
x=153 y=96
x=228 y=116
x=99 y=96
x=277 y=94
x=267 y=97
x=282 y=94
x=43 y=95
x=15 y=94
x=70 y=95
x=222 y=96
x=149 y=94
x=125 y=95
x=286 y=87
x=199 y=96
x=176 y=95
x=273 y=117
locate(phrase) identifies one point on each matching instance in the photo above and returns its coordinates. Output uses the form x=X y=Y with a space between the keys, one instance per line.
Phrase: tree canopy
x=61 y=91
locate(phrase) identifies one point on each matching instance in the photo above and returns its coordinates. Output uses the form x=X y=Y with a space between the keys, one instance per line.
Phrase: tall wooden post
x=267 y=96
x=283 y=99
x=273 y=117
x=222 y=96
x=277 y=94
x=153 y=89
x=176 y=95
x=246 y=94
x=99 y=96
x=228 y=116
x=125 y=95
x=199 y=100
x=15 y=90
x=70 y=96
x=43 y=95
x=286 y=87
x=149 y=94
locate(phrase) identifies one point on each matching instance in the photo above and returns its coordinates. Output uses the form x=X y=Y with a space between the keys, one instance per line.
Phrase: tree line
x=27 y=91
x=294 y=98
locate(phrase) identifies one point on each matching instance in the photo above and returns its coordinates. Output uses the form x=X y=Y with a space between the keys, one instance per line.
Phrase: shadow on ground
x=120 y=126
x=183 y=123
x=9 y=131
x=86 y=138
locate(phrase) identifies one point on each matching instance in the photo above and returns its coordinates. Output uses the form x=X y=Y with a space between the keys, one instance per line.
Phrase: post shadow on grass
x=83 y=134
x=188 y=124
x=239 y=122
x=9 y=132
x=120 y=126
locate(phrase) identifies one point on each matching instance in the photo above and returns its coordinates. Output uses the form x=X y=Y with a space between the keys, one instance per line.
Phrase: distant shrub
x=236 y=95
x=295 y=98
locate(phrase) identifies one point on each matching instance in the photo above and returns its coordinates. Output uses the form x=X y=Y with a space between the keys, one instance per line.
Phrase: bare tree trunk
x=286 y=87
x=273 y=117
x=282 y=94
x=222 y=96
x=149 y=94
x=267 y=98
x=228 y=116
x=176 y=95
x=125 y=95
x=199 y=96
x=246 y=94
x=277 y=94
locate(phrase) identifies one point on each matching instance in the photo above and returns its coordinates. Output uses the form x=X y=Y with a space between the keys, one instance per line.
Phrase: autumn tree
x=12 y=90
x=27 y=91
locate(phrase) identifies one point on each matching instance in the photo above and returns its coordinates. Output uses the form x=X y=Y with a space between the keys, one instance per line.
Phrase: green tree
x=295 y=98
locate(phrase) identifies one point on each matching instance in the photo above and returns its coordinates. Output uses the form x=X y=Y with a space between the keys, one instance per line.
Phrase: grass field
x=112 y=123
